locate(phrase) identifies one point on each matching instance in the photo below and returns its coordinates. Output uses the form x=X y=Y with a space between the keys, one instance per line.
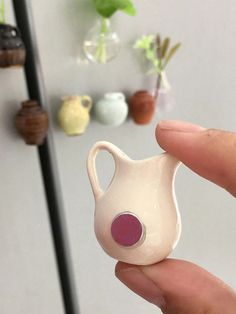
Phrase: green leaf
x=107 y=8
x=165 y=47
x=156 y=63
x=130 y=10
x=150 y=55
x=171 y=53
x=144 y=42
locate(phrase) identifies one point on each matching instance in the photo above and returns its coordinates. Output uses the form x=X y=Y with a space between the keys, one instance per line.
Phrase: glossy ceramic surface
x=142 y=107
x=136 y=219
x=12 y=49
x=111 y=109
x=74 y=114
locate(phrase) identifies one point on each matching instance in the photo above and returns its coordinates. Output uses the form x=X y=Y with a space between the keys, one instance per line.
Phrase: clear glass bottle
x=101 y=44
x=165 y=99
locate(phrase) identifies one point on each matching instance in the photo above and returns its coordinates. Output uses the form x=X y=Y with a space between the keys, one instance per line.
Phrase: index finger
x=210 y=153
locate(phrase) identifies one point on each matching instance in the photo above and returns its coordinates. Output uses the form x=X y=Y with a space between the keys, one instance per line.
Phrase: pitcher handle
x=116 y=153
x=87 y=102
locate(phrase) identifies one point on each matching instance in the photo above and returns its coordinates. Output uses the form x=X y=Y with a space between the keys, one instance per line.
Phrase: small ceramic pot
x=111 y=109
x=12 y=49
x=32 y=123
x=142 y=107
x=74 y=114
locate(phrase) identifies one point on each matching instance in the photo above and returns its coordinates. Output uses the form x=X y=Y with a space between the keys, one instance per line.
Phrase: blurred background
x=203 y=80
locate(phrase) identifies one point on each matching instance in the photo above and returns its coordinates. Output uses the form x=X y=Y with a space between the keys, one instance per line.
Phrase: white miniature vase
x=136 y=219
x=112 y=109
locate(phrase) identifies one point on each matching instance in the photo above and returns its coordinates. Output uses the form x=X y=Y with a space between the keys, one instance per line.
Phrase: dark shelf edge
x=47 y=158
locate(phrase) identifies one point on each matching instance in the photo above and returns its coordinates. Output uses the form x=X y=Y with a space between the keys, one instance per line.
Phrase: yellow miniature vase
x=74 y=114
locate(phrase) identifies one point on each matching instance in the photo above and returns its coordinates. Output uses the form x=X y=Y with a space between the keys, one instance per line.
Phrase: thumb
x=178 y=287
x=208 y=152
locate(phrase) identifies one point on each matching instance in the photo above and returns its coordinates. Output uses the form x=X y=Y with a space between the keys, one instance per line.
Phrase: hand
x=180 y=287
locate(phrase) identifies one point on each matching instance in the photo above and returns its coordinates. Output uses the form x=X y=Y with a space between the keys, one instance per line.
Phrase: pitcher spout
x=171 y=164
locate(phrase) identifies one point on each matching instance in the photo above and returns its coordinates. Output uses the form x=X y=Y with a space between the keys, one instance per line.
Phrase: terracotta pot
x=12 y=49
x=142 y=107
x=32 y=122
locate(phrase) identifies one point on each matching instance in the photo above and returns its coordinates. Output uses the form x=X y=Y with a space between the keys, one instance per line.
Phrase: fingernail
x=138 y=282
x=179 y=126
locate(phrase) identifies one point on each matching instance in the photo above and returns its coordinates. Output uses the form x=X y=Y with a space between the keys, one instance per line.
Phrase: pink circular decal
x=126 y=229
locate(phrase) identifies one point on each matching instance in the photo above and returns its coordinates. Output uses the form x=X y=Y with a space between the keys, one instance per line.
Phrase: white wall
x=28 y=276
x=204 y=81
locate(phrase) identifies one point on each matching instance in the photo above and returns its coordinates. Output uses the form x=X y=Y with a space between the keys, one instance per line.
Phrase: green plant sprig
x=107 y=8
x=2 y=12
x=101 y=51
x=157 y=51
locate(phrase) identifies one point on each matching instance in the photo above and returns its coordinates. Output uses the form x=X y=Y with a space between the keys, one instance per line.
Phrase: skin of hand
x=177 y=286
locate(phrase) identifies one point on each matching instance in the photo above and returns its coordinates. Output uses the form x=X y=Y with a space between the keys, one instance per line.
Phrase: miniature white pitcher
x=136 y=219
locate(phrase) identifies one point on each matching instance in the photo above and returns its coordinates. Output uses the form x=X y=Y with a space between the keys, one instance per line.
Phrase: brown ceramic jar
x=32 y=122
x=12 y=49
x=142 y=107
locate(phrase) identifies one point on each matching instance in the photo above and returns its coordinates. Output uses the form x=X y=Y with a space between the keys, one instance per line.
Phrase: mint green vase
x=112 y=109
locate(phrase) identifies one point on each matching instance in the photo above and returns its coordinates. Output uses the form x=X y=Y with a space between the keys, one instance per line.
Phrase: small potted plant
x=12 y=49
x=158 y=53
x=102 y=44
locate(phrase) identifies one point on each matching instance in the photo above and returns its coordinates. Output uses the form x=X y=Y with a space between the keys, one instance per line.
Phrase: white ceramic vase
x=136 y=219
x=112 y=109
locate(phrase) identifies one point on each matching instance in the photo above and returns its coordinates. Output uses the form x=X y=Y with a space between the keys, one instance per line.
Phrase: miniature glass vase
x=101 y=43
x=165 y=99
